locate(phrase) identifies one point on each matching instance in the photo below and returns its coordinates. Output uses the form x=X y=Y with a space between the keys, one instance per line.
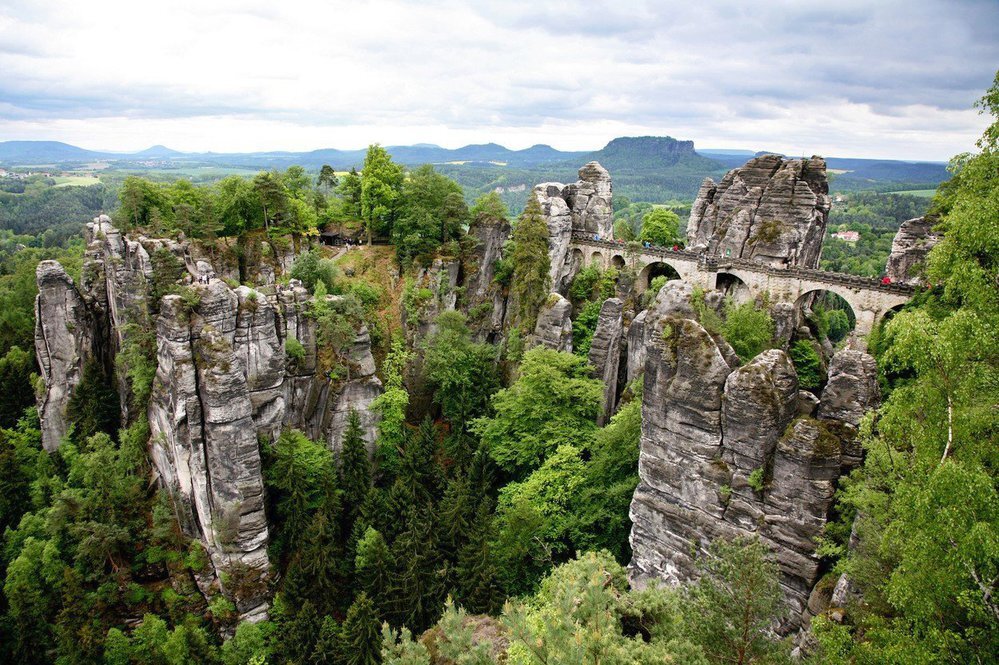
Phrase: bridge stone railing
x=714 y=264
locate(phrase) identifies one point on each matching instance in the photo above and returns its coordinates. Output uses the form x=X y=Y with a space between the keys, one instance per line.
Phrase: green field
x=76 y=180
x=925 y=193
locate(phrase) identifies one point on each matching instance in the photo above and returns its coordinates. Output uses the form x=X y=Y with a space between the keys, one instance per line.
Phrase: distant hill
x=43 y=152
x=644 y=168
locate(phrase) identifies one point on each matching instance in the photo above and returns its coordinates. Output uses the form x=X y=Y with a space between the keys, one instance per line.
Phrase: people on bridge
x=676 y=248
x=886 y=280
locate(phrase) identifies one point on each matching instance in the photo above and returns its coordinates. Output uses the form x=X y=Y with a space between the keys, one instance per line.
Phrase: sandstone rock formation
x=224 y=379
x=585 y=205
x=914 y=240
x=605 y=353
x=554 y=326
x=64 y=342
x=484 y=299
x=731 y=451
x=771 y=210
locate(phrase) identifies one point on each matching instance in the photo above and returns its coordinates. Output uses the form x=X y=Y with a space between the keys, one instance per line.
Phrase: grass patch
x=76 y=180
x=923 y=193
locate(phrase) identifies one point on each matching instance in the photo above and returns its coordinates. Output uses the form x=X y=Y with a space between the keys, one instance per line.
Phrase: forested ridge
x=493 y=526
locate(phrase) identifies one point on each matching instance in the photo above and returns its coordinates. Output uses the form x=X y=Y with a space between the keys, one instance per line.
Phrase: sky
x=880 y=79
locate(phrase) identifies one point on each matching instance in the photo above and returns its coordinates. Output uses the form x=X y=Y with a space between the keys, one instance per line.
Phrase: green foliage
x=391 y=406
x=530 y=280
x=808 y=364
x=706 y=316
x=928 y=524
x=373 y=566
x=756 y=479
x=748 y=329
x=583 y=327
x=660 y=226
x=490 y=206
x=294 y=350
x=463 y=374
x=381 y=187
x=432 y=212
x=312 y=268
x=16 y=392
x=554 y=402
x=361 y=632
x=93 y=408
x=295 y=471
x=355 y=469
x=876 y=217
x=577 y=617
x=734 y=603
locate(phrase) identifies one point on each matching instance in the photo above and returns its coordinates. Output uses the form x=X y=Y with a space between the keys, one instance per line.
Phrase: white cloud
x=893 y=80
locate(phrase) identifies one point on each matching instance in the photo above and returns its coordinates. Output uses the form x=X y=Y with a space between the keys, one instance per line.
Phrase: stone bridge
x=869 y=299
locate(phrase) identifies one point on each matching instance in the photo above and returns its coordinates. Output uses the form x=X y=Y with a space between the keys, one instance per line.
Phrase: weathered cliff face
x=912 y=243
x=727 y=452
x=223 y=381
x=554 y=325
x=203 y=441
x=484 y=300
x=585 y=205
x=605 y=353
x=64 y=343
x=771 y=210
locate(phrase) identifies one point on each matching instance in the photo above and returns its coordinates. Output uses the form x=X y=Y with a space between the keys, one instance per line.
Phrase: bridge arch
x=734 y=287
x=596 y=259
x=829 y=301
x=653 y=270
x=617 y=261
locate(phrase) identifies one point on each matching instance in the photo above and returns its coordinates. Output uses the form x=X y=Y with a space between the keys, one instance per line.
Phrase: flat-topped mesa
x=585 y=205
x=772 y=210
x=909 y=249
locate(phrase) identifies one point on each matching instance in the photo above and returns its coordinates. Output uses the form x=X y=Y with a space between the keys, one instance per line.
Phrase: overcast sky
x=866 y=79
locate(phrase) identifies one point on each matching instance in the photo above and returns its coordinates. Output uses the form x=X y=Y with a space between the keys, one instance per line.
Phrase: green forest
x=493 y=527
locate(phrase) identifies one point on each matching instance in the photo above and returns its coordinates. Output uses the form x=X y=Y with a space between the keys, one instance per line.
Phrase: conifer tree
x=478 y=578
x=457 y=510
x=531 y=264
x=361 y=632
x=373 y=566
x=298 y=640
x=355 y=470
x=417 y=591
x=419 y=471
x=322 y=559
x=330 y=647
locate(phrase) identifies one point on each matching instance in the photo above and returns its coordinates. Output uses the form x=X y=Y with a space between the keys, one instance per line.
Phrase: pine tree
x=361 y=633
x=355 y=469
x=478 y=579
x=419 y=471
x=457 y=510
x=373 y=567
x=416 y=589
x=299 y=639
x=329 y=648
x=531 y=280
x=323 y=558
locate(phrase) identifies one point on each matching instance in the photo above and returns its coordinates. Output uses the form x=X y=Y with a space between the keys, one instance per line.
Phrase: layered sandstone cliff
x=772 y=210
x=729 y=450
x=584 y=206
x=909 y=249
x=223 y=381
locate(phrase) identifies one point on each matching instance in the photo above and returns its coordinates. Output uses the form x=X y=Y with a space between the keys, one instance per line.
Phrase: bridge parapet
x=715 y=264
